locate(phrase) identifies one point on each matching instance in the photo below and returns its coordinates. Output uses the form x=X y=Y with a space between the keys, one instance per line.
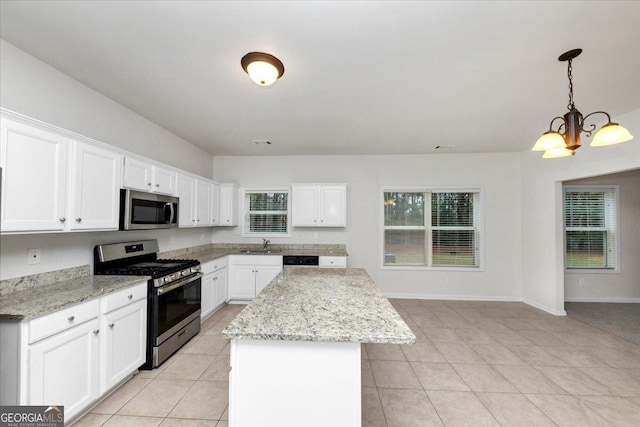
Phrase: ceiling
x=361 y=77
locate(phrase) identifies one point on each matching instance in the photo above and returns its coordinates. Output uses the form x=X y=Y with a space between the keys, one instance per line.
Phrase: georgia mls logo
x=31 y=416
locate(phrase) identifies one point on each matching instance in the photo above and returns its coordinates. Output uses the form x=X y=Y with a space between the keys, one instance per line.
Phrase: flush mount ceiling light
x=565 y=140
x=264 y=69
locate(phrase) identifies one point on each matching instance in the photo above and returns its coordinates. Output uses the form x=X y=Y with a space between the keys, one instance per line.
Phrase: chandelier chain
x=571 y=105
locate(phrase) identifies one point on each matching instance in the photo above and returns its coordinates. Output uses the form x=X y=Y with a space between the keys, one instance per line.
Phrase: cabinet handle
x=96 y=332
x=130 y=296
x=149 y=184
x=198 y=219
x=315 y=220
x=322 y=220
x=71 y=318
x=227 y=220
x=78 y=219
x=63 y=219
x=158 y=185
x=111 y=325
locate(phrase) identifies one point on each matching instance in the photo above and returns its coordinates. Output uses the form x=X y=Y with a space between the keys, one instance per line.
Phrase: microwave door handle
x=173 y=213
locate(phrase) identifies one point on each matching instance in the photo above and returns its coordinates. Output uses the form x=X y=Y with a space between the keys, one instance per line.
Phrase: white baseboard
x=602 y=299
x=452 y=297
x=544 y=308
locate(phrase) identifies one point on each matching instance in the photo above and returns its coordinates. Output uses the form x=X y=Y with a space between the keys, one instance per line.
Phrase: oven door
x=143 y=211
x=175 y=305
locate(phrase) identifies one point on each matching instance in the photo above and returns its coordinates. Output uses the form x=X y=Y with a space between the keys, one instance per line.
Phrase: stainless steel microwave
x=146 y=211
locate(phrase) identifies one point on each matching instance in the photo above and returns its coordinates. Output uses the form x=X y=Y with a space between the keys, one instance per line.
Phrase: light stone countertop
x=334 y=305
x=210 y=252
x=30 y=303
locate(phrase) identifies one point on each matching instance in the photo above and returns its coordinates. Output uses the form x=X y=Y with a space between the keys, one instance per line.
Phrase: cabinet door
x=33 y=165
x=138 y=174
x=164 y=181
x=207 y=295
x=186 y=192
x=333 y=206
x=264 y=275
x=228 y=204
x=95 y=183
x=304 y=205
x=63 y=369
x=124 y=342
x=215 y=204
x=203 y=203
x=242 y=282
x=220 y=287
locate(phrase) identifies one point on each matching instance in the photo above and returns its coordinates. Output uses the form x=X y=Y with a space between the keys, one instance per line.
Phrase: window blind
x=431 y=228
x=266 y=212
x=590 y=227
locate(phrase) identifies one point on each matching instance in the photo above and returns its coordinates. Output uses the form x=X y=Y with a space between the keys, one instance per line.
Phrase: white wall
x=624 y=285
x=33 y=88
x=65 y=250
x=542 y=231
x=497 y=175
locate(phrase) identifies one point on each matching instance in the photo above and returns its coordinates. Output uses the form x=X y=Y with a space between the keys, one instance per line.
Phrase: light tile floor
x=474 y=363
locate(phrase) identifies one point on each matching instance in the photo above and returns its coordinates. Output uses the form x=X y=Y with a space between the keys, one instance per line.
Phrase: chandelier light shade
x=262 y=68
x=565 y=139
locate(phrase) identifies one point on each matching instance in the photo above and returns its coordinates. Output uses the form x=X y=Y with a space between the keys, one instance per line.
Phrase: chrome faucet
x=265 y=244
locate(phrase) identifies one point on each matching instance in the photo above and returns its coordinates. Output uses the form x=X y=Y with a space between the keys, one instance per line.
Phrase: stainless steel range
x=173 y=293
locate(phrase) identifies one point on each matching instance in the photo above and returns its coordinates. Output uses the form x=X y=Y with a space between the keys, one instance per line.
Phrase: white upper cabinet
x=33 y=165
x=319 y=205
x=228 y=204
x=186 y=192
x=57 y=181
x=144 y=176
x=94 y=199
x=203 y=203
x=215 y=203
x=195 y=201
x=51 y=183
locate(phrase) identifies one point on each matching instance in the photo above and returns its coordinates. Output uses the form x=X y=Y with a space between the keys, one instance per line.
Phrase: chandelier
x=565 y=140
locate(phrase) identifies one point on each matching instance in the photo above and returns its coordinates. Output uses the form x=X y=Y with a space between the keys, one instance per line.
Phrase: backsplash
x=8 y=286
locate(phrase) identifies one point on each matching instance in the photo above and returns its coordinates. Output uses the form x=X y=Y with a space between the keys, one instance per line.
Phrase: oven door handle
x=179 y=283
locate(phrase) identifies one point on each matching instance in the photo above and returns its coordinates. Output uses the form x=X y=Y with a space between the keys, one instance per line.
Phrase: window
x=590 y=220
x=431 y=228
x=266 y=213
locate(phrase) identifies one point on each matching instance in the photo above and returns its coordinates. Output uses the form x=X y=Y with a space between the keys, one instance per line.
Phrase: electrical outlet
x=33 y=256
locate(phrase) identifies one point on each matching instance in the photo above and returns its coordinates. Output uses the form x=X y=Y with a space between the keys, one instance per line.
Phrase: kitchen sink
x=261 y=252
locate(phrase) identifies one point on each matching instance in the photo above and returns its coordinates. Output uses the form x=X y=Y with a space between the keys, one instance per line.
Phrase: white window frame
x=478 y=220
x=592 y=270
x=245 y=232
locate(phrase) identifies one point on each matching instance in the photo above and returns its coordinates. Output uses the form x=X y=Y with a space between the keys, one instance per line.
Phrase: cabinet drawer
x=125 y=296
x=59 y=321
x=215 y=265
x=332 y=262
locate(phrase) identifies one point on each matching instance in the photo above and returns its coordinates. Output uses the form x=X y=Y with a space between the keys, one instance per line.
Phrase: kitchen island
x=295 y=349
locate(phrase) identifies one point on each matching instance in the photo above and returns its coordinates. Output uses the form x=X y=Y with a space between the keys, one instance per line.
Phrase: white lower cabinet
x=63 y=369
x=250 y=274
x=73 y=356
x=124 y=331
x=214 y=286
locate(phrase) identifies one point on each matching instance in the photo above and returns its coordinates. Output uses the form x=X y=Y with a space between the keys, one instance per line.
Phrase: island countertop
x=331 y=305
